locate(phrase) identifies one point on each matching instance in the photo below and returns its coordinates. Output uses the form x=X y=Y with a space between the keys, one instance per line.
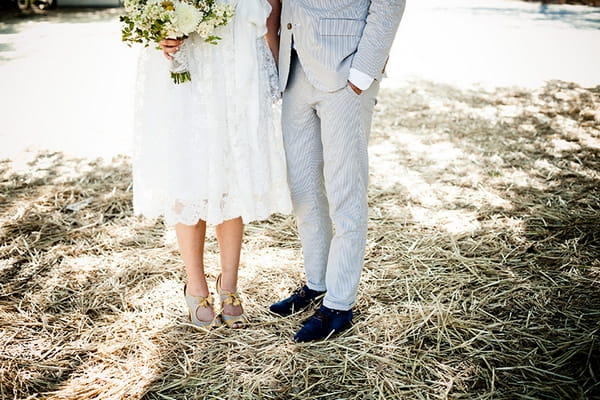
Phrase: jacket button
x=289 y=26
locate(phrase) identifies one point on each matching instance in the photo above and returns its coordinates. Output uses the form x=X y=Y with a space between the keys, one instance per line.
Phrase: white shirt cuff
x=360 y=79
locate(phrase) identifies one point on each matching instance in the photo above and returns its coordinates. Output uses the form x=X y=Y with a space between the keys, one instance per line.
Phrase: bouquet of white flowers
x=150 y=21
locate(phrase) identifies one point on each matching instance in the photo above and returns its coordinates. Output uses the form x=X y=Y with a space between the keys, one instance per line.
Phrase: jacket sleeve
x=377 y=38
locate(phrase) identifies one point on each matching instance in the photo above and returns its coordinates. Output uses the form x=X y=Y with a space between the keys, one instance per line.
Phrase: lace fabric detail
x=209 y=149
x=269 y=68
x=179 y=63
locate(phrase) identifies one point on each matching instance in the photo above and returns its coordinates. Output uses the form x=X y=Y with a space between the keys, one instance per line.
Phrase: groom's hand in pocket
x=354 y=88
x=170 y=46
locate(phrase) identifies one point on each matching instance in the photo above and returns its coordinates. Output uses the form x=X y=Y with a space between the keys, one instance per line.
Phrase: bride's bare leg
x=191 y=246
x=229 y=236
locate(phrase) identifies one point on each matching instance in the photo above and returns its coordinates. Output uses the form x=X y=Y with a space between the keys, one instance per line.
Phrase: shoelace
x=320 y=316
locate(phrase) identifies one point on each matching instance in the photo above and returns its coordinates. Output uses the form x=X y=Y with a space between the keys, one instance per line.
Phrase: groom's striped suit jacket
x=332 y=36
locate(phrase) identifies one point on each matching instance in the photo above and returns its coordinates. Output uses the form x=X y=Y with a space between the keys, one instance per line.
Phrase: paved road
x=66 y=80
x=497 y=43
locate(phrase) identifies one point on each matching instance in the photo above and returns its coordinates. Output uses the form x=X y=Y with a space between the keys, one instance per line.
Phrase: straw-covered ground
x=480 y=282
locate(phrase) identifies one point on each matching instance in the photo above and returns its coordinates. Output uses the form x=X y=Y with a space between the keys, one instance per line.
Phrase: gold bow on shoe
x=231 y=298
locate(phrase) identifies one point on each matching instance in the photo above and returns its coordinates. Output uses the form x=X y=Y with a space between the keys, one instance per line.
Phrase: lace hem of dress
x=190 y=212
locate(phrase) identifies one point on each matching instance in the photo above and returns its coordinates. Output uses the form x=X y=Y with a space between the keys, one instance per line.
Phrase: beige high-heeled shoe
x=232 y=298
x=196 y=302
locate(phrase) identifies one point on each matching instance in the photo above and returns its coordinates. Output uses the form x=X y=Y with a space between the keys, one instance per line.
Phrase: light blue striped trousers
x=325 y=135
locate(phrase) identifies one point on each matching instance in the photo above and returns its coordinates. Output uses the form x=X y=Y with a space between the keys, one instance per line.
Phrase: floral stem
x=180 y=77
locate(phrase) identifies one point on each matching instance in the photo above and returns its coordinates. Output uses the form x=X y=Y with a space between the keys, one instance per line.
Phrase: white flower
x=187 y=16
x=205 y=29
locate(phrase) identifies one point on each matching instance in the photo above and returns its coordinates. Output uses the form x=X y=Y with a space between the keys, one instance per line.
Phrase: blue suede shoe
x=298 y=301
x=324 y=322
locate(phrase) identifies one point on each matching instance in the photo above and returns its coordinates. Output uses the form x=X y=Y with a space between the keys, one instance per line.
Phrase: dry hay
x=480 y=280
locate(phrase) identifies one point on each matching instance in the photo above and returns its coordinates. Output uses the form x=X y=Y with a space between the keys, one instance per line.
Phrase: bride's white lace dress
x=211 y=149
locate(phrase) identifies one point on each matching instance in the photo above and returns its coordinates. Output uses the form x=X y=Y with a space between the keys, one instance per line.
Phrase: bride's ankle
x=197 y=290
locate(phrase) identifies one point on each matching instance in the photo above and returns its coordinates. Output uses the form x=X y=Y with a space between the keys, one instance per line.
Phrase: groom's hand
x=170 y=46
x=354 y=87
